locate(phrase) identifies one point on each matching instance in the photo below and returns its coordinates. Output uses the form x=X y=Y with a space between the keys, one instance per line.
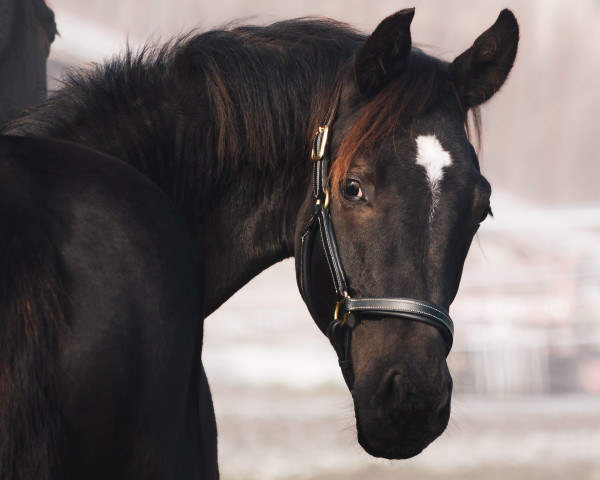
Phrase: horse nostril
x=393 y=389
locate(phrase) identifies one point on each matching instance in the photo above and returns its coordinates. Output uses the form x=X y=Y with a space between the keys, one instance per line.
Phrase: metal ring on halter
x=317 y=155
x=338 y=305
x=326 y=201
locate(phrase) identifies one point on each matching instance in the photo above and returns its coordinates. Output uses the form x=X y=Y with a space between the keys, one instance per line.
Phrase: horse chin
x=393 y=452
x=384 y=438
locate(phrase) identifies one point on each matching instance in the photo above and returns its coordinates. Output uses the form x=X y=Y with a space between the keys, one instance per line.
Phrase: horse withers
x=379 y=210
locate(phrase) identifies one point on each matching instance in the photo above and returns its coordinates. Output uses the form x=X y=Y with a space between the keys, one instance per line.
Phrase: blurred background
x=526 y=359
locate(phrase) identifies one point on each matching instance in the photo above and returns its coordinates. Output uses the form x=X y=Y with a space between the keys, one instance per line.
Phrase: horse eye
x=353 y=189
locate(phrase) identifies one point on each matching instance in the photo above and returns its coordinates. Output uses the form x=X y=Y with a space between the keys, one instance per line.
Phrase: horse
x=303 y=138
x=27 y=29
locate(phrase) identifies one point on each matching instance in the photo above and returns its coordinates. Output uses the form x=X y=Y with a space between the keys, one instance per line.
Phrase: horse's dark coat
x=222 y=122
x=101 y=322
x=27 y=29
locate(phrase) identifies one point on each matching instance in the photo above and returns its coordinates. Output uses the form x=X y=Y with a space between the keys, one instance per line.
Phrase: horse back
x=100 y=303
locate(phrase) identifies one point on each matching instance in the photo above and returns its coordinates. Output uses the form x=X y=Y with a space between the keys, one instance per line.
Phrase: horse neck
x=237 y=168
x=243 y=217
x=251 y=226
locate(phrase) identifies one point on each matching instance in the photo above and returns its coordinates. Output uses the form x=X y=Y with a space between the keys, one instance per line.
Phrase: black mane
x=194 y=110
x=257 y=91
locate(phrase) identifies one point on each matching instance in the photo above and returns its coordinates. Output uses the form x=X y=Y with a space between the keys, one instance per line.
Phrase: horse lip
x=392 y=450
x=390 y=453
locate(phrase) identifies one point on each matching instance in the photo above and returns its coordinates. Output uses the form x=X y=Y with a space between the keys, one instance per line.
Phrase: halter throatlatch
x=338 y=332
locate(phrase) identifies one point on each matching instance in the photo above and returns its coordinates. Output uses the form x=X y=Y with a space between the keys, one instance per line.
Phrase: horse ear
x=384 y=52
x=479 y=72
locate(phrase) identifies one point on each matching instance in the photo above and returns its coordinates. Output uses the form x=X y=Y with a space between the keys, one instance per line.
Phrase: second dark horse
x=27 y=30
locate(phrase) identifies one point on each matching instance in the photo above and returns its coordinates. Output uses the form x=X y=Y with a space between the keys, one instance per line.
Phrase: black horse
x=27 y=29
x=223 y=122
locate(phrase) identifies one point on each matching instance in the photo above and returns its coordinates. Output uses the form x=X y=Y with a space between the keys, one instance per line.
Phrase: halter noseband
x=338 y=332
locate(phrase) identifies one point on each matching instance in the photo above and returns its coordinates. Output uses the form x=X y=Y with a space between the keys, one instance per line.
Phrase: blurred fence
x=529 y=305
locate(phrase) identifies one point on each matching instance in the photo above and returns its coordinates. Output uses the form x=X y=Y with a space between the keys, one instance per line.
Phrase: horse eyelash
x=487 y=214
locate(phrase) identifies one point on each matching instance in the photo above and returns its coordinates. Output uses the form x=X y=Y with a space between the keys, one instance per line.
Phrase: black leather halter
x=338 y=332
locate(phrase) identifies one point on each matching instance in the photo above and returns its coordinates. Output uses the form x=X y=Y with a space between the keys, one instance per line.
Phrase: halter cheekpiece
x=338 y=332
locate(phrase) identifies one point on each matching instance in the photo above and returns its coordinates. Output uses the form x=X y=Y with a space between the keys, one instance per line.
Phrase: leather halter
x=338 y=332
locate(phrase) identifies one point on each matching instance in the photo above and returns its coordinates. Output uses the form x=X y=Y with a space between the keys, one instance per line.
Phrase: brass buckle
x=326 y=201
x=318 y=155
x=337 y=309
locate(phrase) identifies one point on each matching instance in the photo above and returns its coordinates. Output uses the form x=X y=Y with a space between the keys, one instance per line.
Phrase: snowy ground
x=269 y=433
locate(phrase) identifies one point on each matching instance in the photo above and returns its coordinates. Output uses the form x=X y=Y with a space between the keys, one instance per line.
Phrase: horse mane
x=287 y=59
x=33 y=302
x=253 y=87
x=239 y=95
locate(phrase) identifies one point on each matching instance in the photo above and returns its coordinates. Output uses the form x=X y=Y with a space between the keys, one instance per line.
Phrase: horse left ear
x=384 y=52
x=479 y=72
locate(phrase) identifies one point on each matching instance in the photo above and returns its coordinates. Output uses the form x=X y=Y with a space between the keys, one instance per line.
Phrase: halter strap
x=418 y=310
x=338 y=332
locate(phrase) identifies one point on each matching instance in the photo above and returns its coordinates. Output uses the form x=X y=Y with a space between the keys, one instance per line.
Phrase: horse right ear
x=479 y=72
x=384 y=52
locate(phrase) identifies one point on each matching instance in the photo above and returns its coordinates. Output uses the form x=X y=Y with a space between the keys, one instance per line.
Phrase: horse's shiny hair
x=423 y=83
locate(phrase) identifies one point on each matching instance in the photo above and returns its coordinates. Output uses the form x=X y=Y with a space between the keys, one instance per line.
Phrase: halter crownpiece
x=338 y=332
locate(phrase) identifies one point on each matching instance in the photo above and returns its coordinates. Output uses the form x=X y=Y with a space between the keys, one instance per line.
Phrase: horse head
x=403 y=197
